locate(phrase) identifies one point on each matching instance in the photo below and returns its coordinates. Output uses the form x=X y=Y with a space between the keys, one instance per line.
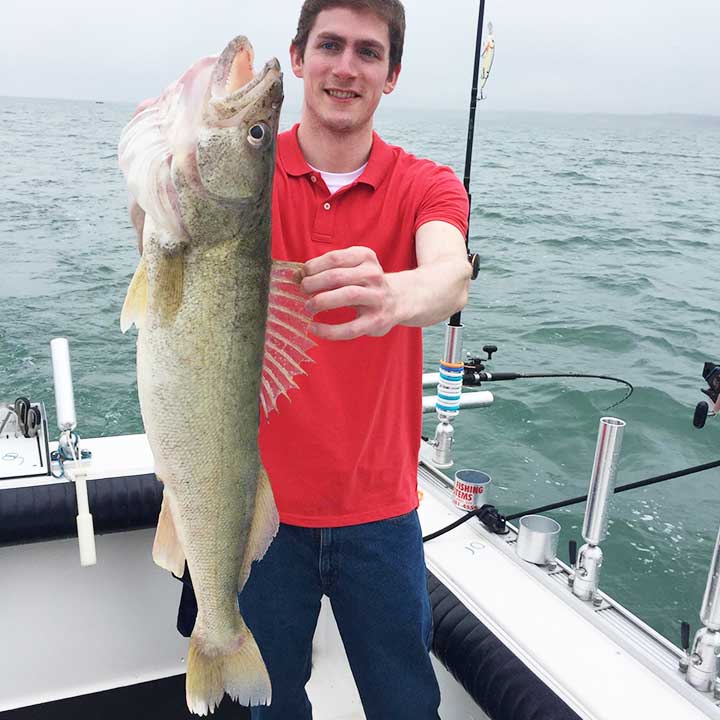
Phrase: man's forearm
x=431 y=293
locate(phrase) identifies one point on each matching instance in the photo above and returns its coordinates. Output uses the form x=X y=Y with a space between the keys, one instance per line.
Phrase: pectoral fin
x=168 y=291
x=164 y=291
x=286 y=337
x=135 y=306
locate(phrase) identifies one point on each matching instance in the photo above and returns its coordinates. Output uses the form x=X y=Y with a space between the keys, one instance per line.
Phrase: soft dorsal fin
x=286 y=335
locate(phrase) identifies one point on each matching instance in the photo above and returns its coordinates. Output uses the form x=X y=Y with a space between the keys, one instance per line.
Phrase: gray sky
x=632 y=56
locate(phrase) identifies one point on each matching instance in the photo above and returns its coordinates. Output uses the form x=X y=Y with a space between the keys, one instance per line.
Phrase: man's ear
x=391 y=82
x=296 y=61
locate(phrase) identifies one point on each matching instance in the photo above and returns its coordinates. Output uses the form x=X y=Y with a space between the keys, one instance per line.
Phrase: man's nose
x=346 y=66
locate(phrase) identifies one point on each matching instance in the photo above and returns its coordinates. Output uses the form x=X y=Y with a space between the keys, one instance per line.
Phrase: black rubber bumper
x=501 y=684
x=47 y=512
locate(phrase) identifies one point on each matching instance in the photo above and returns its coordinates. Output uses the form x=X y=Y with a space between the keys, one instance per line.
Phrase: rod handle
x=685 y=635
x=572 y=550
x=700 y=416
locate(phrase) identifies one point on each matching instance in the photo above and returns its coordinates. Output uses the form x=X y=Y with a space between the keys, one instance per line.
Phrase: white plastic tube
x=84 y=521
x=479 y=398
x=85 y=527
x=62 y=377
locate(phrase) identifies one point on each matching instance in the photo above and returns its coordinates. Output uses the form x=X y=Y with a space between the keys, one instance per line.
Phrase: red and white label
x=468 y=496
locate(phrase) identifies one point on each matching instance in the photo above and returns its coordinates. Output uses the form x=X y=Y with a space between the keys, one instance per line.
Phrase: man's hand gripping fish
x=222 y=329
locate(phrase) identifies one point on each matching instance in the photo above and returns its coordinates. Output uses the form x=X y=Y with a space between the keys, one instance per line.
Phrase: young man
x=381 y=234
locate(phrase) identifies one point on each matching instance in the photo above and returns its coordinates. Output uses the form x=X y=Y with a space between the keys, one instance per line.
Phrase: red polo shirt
x=343 y=449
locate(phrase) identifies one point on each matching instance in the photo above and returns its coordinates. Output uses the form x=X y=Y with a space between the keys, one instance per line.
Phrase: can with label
x=470 y=490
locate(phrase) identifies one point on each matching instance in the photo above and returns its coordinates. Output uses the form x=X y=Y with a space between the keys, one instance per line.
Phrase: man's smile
x=341 y=94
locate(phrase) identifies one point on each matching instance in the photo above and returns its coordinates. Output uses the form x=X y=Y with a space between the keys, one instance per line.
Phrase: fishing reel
x=474 y=371
x=711 y=375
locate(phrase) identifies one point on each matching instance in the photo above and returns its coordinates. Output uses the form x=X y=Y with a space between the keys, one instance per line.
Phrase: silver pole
x=586 y=580
x=710 y=610
x=454 y=343
x=702 y=669
x=445 y=432
x=602 y=480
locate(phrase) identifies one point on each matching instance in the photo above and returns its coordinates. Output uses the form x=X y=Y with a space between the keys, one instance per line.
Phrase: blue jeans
x=374 y=576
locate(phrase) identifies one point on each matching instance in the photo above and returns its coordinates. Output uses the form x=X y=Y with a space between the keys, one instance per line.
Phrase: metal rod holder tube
x=602 y=481
x=710 y=610
x=453 y=343
x=444 y=433
x=702 y=665
x=702 y=671
x=586 y=580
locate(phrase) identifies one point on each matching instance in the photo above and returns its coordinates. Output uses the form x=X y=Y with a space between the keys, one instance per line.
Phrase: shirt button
x=313 y=178
x=326 y=206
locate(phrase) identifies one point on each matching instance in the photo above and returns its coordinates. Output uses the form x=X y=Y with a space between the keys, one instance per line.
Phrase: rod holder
x=68 y=447
x=702 y=671
x=710 y=610
x=586 y=580
x=449 y=392
x=454 y=343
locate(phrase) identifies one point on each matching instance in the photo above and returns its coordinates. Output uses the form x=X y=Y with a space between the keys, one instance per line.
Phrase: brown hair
x=391 y=11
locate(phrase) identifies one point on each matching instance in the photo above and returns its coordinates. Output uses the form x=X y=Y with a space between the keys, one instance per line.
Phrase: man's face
x=345 y=68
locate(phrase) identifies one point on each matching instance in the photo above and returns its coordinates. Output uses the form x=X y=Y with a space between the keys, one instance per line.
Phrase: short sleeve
x=444 y=198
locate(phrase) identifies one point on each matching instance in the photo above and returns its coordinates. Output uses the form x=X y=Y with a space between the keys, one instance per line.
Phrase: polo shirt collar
x=295 y=164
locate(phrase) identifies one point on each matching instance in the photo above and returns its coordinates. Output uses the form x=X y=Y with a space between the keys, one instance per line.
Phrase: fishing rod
x=474 y=374
x=454 y=373
x=474 y=258
x=495 y=522
x=451 y=367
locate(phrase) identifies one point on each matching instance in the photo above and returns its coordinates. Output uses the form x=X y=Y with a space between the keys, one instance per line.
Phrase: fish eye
x=257 y=134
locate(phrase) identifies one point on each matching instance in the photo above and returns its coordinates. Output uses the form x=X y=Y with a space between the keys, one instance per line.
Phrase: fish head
x=235 y=153
x=199 y=158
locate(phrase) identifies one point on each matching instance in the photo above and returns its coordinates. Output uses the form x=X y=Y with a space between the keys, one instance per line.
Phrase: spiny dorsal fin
x=286 y=337
x=135 y=306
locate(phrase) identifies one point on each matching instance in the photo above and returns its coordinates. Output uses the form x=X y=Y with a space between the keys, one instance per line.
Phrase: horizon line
x=418 y=107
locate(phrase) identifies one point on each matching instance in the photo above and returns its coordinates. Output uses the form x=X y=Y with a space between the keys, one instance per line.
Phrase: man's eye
x=369 y=52
x=329 y=45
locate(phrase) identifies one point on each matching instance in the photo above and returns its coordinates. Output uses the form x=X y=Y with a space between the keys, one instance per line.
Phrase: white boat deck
x=113 y=624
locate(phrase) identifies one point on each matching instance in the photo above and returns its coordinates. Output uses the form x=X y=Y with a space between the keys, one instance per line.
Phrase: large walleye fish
x=222 y=330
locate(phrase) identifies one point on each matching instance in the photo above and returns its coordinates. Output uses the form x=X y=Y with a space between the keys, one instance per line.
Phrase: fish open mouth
x=234 y=78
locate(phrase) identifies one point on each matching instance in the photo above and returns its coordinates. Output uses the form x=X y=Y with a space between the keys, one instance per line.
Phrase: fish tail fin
x=241 y=673
x=246 y=677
